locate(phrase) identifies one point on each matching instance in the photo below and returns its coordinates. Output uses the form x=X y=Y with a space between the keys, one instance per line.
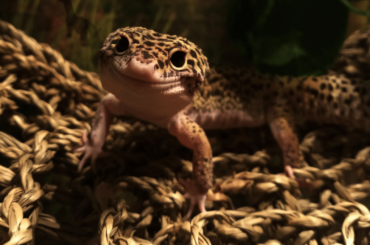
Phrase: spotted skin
x=250 y=98
x=148 y=46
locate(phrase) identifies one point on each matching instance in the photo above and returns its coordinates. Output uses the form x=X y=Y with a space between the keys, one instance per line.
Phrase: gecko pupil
x=122 y=45
x=178 y=58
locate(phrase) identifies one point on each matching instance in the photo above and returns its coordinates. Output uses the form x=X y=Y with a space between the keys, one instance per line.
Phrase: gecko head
x=141 y=58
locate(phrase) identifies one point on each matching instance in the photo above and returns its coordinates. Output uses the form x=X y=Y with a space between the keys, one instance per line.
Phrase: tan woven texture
x=354 y=58
x=131 y=195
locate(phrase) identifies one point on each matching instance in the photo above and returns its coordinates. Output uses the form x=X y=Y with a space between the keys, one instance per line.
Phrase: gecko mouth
x=169 y=85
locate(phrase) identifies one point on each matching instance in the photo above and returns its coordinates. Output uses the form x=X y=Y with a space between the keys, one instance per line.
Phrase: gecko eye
x=178 y=59
x=122 y=44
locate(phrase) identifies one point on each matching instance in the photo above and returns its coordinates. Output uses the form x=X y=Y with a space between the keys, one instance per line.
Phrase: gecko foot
x=196 y=197
x=89 y=149
x=289 y=172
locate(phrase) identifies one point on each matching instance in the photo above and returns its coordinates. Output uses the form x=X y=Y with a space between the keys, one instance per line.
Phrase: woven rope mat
x=131 y=196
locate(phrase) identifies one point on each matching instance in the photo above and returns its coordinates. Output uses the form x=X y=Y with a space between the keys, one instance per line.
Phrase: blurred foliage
x=78 y=28
x=356 y=10
x=292 y=37
x=288 y=37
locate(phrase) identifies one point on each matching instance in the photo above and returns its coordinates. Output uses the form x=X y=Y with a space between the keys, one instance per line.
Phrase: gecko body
x=166 y=80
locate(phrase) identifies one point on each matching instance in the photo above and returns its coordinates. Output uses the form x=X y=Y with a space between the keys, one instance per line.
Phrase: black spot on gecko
x=322 y=86
x=191 y=62
x=348 y=101
x=150 y=44
x=314 y=79
x=344 y=90
x=314 y=92
x=146 y=54
x=161 y=64
x=148 y=37
x=162 y=40
x=330 y=98
x=330 y=87
x=192 y=53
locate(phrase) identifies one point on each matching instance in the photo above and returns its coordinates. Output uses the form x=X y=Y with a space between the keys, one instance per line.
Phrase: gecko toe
x=194 y=195
x=289 y=172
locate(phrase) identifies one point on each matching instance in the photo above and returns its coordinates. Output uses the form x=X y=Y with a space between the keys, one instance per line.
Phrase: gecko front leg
x=288 y=142
x=92 y=146
x=191 y=135
x=283 y=130
x=282 y=127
